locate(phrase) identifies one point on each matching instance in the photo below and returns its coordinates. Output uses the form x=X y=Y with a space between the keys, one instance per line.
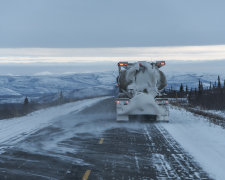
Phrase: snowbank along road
x=81 y=140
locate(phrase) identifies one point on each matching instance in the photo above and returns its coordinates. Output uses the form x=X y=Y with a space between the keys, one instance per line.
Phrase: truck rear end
x=140 y=86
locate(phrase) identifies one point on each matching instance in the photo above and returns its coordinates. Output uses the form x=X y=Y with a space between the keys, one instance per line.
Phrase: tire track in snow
x=181 y=164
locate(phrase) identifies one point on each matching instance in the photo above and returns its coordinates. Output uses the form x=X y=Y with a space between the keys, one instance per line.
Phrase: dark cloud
x=113 y=23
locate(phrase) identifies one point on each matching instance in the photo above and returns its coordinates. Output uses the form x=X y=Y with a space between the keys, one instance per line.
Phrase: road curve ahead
x=91 y=145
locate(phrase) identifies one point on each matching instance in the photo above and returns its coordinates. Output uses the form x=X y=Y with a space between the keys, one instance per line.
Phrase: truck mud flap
x=143 y=118
x=122 y=118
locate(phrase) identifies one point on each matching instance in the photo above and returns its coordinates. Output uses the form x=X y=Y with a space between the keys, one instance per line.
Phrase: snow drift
x=203 y=140
x=17 y=129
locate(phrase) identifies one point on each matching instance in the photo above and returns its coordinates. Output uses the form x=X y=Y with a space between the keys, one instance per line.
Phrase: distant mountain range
x=13 y=89
x=45 y=88
x=191 y=79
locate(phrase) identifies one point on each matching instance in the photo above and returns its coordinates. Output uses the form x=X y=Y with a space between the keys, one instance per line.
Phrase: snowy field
x=203 y=140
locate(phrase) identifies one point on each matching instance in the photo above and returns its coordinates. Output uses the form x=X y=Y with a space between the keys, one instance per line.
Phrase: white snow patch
x=44 y=73
x=8 y=92
x=16 y=129
x=204 y=141
x=217 y=112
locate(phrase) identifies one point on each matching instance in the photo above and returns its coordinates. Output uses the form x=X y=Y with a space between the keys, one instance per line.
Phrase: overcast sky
x=110 y=23
x=68 y=55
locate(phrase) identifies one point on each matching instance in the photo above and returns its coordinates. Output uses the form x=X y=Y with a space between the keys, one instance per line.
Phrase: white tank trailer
x=140 y=88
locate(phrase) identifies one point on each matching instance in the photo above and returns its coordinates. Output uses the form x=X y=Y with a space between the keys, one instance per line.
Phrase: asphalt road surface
x=91 y=145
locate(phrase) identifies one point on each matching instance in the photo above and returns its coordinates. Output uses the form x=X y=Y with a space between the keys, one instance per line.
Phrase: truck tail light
x=122 y=64
x=160 y=63
x=117 y=101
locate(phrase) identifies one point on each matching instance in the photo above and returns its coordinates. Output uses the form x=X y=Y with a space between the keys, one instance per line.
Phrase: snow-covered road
x=17 y=129
x=63 y=142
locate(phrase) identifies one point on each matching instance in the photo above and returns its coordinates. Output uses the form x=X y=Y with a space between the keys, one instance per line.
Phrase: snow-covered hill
x=191 y=79
x=46 y=87
x=189 y=72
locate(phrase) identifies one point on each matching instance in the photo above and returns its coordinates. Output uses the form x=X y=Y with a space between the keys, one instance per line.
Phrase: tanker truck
x=140 y=89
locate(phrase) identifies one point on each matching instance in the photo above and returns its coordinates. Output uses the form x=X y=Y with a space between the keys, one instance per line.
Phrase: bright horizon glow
x=70 y=55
